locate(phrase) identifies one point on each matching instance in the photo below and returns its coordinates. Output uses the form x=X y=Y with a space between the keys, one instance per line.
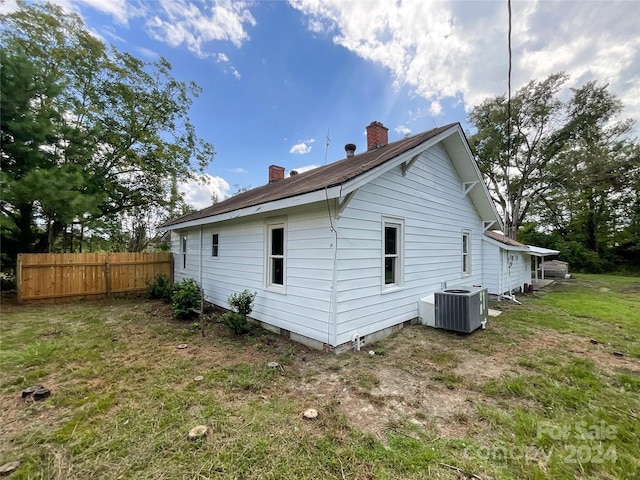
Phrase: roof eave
x=311 y=197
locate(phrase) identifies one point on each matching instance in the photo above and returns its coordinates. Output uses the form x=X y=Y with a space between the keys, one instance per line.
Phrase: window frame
x=215 y=245
x=466 y=256
x=398 y=256
x=269 y=256
x=184 y=241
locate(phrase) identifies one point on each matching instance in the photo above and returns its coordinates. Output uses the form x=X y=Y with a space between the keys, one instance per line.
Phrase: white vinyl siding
x=306 y=307
x=429 y=199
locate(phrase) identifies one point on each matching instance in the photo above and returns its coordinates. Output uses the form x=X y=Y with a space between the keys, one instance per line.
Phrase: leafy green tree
x=573 y=168
x=88 y=132
x=515 y=162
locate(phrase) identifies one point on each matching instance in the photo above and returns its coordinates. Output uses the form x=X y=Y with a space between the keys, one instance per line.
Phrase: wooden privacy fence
x=62 y=277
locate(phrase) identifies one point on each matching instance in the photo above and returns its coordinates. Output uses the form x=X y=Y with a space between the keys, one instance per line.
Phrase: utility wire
x=509 y=104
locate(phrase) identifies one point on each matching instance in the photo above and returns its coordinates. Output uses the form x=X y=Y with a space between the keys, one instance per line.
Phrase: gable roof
x=333 y=175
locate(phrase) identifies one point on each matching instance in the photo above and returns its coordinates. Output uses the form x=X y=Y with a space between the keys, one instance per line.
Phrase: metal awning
x=540 y=252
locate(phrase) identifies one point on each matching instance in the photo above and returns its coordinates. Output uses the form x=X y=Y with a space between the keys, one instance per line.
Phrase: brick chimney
x=275 y=173
x=377 y=135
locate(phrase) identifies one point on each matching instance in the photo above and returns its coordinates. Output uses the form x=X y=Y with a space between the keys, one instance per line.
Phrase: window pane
x=214 y=245
x=277 y=241
x=184 y=244
x=389 y=270
x=465 y=243
x=465 y=260
x=277 y=276
x=390 y=244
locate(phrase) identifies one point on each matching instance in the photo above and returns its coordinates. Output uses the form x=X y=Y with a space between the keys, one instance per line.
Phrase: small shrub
x=241 y=305
x=186 y=297
x=236 y=322
x=160 y=288
x=242 y=302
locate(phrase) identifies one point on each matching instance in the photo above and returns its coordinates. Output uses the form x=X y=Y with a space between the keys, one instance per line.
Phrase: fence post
x=19 y=278
x=107 y=274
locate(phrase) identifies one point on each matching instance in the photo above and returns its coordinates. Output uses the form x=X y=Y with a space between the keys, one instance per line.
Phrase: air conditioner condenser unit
x=461 y=309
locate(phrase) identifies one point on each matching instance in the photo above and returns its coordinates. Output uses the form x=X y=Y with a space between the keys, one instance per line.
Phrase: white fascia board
x=311 y=197
x=406 y=156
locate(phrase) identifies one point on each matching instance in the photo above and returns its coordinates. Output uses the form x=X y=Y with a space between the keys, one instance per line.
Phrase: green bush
x=242 y=302
x=241 y=305
x=160 y=288
x=236 y=322
x=186 y=297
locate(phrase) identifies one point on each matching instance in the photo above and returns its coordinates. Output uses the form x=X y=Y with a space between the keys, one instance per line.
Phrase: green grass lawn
x=550 y=390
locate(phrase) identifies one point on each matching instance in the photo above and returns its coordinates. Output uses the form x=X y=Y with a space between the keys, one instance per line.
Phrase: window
x=466 y=253
x=183 y=250
x=215 y=245
x=276 y=259
x=392 y=249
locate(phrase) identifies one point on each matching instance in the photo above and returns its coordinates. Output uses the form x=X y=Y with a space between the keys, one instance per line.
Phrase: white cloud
x=199 y=193
x=302 y=147
x=458 y=50
x=120 y=10
x=222 y=58
x=148 y=53
x=178 y=22
x=435 y=108
x=403 y=130
x=235 y=72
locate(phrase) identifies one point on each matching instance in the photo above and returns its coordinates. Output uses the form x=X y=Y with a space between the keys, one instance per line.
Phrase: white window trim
x=468 y=253
x=184 y=242
x=270 y=225
x=215 y=257
x=398 y=285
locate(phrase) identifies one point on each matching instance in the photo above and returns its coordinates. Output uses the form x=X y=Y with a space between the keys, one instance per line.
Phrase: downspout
x=333 y=321
x=200 y=262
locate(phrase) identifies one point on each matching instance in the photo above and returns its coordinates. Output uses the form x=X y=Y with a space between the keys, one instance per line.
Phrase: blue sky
x=278 y=76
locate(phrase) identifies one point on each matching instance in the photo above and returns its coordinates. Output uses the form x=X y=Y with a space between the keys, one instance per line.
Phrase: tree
x=515 y=162
x=569 y=165
x=593 y=183
x=88 y=132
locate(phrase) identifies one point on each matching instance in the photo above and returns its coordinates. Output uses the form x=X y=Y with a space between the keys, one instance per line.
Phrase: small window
x=392 y=250
x=276 y=259
x=466 y=253
x=183 y=250
x=215 y=245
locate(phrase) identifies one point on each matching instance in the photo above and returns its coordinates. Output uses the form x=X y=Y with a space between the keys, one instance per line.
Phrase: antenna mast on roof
x=326 y=148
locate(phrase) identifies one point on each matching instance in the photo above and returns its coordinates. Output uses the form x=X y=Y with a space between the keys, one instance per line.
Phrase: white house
x=345 y=251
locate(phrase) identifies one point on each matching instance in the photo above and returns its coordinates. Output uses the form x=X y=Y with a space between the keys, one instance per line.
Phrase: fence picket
x=63 y=277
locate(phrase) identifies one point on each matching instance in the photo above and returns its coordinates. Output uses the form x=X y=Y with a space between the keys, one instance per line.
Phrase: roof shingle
x=319 y=178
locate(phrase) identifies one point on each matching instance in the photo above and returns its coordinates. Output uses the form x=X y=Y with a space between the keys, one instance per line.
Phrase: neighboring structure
x=342 y=253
